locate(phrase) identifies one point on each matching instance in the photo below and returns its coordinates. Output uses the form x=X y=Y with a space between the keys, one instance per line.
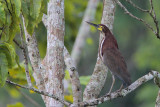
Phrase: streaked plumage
x=111 y=55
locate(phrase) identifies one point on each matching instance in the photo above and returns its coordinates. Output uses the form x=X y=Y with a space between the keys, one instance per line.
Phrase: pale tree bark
x=84 y=30
x=34 y=57
x=99 y=75
x=76 y=87
x=55 y=46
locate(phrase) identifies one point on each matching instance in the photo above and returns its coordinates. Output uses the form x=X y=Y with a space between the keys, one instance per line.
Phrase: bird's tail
x=127 y=82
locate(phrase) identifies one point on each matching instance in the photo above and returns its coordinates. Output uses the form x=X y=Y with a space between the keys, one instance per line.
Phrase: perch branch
x=124 y=92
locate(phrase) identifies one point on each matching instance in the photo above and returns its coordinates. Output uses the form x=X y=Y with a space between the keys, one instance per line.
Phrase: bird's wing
x=113 y=59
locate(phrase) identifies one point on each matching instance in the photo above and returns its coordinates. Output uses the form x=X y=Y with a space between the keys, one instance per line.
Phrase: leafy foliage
x=18 y=74
x=33 y=11
x=7 y=59
x=10 y=18
x=3 y=69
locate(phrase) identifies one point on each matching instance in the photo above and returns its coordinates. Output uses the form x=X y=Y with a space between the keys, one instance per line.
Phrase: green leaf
x=10 y=53
x=35 y=8
x=13 y=54
x=2 y=14
x=84 y=80
x=18 y=104
x=25 y=11
x=44 y=6
x=8 y=56
x=3 y=69
x=14 y=27
x=17 y=4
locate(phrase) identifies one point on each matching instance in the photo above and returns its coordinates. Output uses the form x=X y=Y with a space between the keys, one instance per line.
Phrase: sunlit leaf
x=67 y=76
x=18 y=104
x=25 y=11
x=68 y=98
x=35 y=8
x=13 y=54
x=84 y=79
x=14 y=27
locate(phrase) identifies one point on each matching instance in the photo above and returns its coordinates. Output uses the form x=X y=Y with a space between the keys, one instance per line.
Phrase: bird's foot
x=108 y=94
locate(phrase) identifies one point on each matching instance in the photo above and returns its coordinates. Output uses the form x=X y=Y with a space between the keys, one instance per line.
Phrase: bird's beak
x=95 y=25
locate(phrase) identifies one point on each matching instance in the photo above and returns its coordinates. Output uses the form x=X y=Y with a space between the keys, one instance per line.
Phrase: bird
x=111 y=56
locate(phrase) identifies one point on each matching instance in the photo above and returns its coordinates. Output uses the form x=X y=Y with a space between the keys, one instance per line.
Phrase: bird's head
x=100 y=27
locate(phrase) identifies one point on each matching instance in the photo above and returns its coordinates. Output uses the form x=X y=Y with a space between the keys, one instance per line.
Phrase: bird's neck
x=107 y=42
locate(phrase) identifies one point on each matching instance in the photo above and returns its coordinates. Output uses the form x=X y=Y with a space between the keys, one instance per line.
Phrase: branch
x=26 y=62
x=99 y=75
x=25 y=57
x=55 y=47
x=35 y=59
x=45 y=20
x=124 y=92
x=15 y=41
x=153 y=16
x=134 y=5
x=130 y=14
x=84 y=30
x=40 y=92
x=158 y=99
x=76 y=87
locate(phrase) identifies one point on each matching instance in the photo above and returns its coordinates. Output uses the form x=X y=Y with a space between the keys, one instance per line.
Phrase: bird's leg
x=113 y=81
x=120 y=89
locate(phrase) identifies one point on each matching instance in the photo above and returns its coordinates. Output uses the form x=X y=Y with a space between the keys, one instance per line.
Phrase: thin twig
x=153 y=15
x=25 y=57
x=40 y=92
x=134 y=5
x=76 y=86
x=28 y=98
x=15 y=41
x=124 y=92
x=135 y=17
